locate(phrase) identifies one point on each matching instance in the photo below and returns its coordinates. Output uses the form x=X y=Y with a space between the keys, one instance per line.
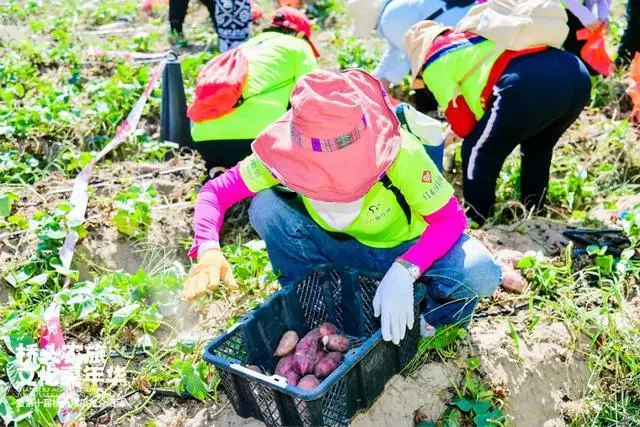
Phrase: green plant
x=352 y=53
x=474 y=404
x=133 y=215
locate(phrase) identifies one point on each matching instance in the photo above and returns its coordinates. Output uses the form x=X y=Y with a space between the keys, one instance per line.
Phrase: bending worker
x=580 y=14
x=496 y=100
x=240 y=93
x=368 y=197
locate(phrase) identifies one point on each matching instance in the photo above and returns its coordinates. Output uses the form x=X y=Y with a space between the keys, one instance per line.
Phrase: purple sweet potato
x=328 y=364
x=287 y=343
x=254 y=368
x=327 y=329
x=284 y=365
x=308 y=382
x=305 y=355
x=319 y=355
x=335 y=342
x=292 y=378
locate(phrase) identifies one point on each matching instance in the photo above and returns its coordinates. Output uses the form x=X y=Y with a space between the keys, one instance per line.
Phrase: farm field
x=563 y=350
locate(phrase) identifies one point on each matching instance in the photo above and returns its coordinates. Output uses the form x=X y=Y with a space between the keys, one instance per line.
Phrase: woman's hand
x=211 y=267
x=393 y=303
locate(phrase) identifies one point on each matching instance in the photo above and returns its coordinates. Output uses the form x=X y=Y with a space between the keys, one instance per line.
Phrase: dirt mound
x=536 y=234
x=544 y=375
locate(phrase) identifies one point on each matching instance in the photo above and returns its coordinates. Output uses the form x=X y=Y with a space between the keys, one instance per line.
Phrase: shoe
x=177 y=40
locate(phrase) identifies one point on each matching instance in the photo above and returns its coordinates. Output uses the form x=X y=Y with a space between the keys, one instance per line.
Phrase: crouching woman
x=368 y=197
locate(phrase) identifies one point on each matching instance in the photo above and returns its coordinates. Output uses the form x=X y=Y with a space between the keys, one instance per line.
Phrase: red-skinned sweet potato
x=292 y=378
x=304 y=357
x=319 y=355
x=327 y=329
x=335 y=342
x=287 y=343
x=308 y=382
x=284 y=365
x=328 y=364
x=254 y=368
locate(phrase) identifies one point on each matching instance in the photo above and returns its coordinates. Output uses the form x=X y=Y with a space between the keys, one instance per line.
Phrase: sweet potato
x=287 y=343
x=308 y=382
x=254 y=368
x=292 y=378
x=327 y=329
x=284 y=365
x=319 y=355
x=328 y=364
x=305 y=355
x=335 y=342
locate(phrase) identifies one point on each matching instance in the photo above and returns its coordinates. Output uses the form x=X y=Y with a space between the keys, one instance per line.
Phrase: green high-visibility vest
x=444 y=74
x=276 y=62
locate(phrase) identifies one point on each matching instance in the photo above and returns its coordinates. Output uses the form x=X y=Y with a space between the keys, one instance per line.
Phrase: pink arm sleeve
x=445 y=228
x=215 y=197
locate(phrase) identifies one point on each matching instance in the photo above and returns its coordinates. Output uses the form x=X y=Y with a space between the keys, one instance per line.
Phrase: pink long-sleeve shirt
x=446 y=225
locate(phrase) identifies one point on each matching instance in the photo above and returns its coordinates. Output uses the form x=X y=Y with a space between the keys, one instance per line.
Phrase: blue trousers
x=296 y=245
x=534 y=102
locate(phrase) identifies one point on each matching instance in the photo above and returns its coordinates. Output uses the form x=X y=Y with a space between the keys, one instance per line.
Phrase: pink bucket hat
x=338 y=139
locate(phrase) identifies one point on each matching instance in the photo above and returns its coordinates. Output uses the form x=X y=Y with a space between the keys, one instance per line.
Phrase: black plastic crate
x=343 y=298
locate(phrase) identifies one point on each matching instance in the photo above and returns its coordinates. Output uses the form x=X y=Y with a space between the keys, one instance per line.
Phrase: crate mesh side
x=227 y=383
x=266 y=403
x=311 y=300
x=332 y=407
x=233 y=348
x=368 y=289
x=336 y=292
x=409 y=345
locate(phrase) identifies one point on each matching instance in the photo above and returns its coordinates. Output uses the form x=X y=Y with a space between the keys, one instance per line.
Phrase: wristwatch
x=413 y=269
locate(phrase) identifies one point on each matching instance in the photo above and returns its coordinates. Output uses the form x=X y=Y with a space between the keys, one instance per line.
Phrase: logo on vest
x=426 y=177
x=376 y=213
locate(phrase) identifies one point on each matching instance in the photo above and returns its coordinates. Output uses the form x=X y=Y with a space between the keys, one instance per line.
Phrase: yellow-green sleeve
x=255 y=174
x=418 y=178
x=439 y=80
x=307 y=62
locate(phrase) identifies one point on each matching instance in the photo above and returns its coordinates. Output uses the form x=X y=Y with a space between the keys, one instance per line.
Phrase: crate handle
x=275 y=380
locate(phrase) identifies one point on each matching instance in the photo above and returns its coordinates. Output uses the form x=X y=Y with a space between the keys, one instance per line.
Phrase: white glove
x=394 y=301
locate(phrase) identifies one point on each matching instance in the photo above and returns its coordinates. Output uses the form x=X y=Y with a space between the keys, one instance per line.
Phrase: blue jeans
x=296 y=245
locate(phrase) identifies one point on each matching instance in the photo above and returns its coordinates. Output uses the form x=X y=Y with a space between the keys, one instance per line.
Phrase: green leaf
x=490 y=419
x=17 y=339
x=186 y=345
x=605 y=263
x=19 y=378
x=6 y=413
x=19 y=221
x=150 y=319
x=462 y=404
x=527 y=262
x=39 y=280
x=17 y=278
x=426 y=424
x=45 y=408
x=593 y=249
x=473 y=363
x=480 y=406
x=628 y=253
x=6 y=203
x=192 y=382
x=146 y=341
x=124 y=314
